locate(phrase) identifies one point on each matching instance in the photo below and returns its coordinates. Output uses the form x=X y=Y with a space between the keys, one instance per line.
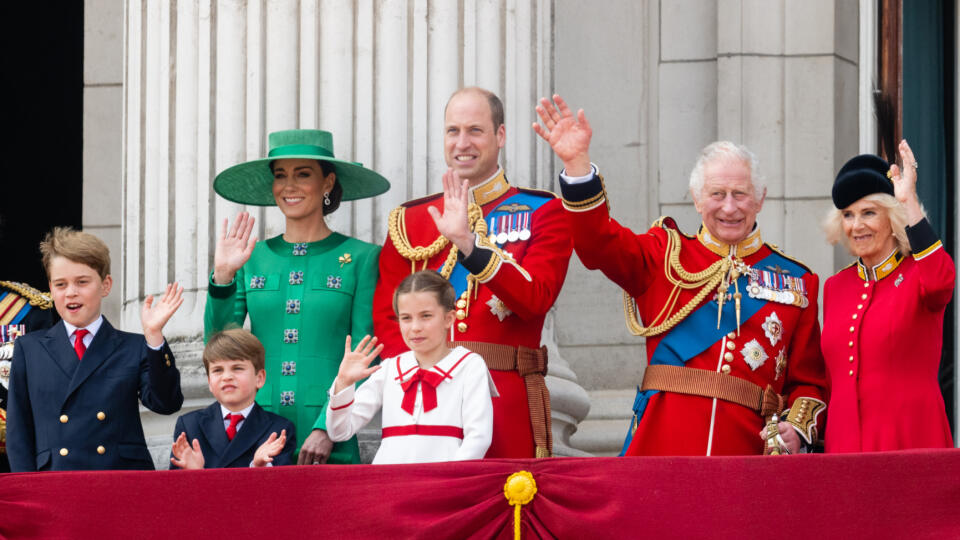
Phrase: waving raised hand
x=905 y=183
x=355 y=365
x=568 y=135
x=154 y=317
x=234 y=247
x=454 y=222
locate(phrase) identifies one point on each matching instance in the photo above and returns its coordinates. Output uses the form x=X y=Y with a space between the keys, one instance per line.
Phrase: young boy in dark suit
x=75 y=388
x=234 y=431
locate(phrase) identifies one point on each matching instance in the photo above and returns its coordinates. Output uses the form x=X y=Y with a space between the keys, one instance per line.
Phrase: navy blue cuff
x=477 y=261
x=583 y=191
x=921 y=236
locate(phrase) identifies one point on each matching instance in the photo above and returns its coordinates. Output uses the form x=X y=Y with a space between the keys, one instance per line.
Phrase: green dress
x=303 y=300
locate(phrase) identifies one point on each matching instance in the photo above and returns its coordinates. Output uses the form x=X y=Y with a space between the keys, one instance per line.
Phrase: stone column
x=206 y=80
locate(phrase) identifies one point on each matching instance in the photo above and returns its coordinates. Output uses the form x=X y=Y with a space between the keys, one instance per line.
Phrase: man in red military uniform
x=504 y=249
x=731 y=322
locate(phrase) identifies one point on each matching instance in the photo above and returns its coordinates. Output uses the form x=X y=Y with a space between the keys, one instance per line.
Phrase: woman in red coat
x=883 y=315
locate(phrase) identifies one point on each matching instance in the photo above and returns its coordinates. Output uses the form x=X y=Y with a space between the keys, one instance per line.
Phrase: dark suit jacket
x=206 y=425
x=66 y=414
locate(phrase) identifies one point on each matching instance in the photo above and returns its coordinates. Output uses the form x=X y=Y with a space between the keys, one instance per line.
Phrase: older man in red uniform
x=731 y=322
x=504 y=249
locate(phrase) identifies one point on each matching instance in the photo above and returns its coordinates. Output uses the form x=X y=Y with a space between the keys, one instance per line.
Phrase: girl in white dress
x=436 y=400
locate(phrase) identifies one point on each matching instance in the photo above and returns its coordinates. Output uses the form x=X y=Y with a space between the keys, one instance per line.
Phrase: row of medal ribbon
x=509 y=228
x=777 y=287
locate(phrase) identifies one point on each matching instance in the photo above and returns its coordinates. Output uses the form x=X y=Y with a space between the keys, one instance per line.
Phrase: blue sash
x=458 y=278
x=698 y=332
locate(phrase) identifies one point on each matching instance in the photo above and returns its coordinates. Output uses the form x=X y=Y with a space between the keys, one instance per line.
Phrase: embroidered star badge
x=753 y=354
x=498 y=308
x=773 y=328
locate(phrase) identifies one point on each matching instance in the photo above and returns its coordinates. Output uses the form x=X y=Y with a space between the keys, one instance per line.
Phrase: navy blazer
x=66 y=414
x=206 y=425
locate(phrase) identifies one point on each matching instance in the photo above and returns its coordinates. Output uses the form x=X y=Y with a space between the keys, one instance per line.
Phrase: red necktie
x=78 y=344
x=427 y=381
x=232 y=428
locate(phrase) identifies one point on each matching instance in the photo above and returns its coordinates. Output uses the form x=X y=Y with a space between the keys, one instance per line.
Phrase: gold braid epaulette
x=706 y=281
x=398 y=235
x=38 y=299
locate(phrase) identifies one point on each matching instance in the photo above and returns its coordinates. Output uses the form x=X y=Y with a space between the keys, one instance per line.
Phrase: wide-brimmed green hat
x=252 y=182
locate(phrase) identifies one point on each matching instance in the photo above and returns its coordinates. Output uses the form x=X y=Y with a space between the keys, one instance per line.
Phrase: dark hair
x=427 y=281
x=234 y=344
x=336 y=193
x=76 y=246
x=496 y=106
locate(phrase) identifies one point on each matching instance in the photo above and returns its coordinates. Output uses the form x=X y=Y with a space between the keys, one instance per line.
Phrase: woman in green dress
x=304 y=290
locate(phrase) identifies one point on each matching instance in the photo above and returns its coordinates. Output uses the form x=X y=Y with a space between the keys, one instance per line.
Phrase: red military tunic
x=776 y=345
x=882 y=339
x=518 y=282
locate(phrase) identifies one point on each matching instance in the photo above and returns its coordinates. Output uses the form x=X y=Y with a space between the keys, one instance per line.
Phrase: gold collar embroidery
x=491 y=189
x=882 y=270
x=748 y=246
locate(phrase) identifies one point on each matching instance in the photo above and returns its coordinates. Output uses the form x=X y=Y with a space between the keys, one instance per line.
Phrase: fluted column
x=206 y=80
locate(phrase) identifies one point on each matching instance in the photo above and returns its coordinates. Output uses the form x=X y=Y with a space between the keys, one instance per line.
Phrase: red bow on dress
x=427 y=381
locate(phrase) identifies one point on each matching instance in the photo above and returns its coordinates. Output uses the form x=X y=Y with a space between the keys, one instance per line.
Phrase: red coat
x=882 y=341
x=526 y=289
x=680 y=424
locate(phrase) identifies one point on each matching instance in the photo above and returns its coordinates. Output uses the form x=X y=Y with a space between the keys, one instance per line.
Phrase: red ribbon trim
x=416 y=429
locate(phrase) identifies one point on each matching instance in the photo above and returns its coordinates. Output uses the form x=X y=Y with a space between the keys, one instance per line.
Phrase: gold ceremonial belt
x=710 y=384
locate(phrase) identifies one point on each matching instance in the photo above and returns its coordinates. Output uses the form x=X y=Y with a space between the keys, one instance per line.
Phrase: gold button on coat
x=854 y=315
x=859 y=306
x=851 y=344
x=462 y=326
x=101 y=416
x=725 y=369
x=101 y=450
x=731 y=345
x=731 y=335
x=851 y=358
x=728 y=357
x=852 y=329
x=64 y=451
x=863 y=296
x=865 y=285
x=64 y=419
x=851 y=373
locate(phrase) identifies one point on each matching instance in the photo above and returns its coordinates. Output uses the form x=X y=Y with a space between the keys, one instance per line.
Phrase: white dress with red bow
x=444 y=413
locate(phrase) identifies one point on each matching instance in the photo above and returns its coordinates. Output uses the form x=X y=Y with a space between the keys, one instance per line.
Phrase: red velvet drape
x=913 y=494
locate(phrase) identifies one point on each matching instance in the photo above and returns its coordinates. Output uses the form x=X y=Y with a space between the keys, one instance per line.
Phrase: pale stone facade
x=176 y=91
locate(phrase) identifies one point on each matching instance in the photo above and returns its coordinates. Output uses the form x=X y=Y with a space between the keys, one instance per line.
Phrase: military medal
x=777 y=287
x=502 y=235
x=514 y=234
x=525 y=227
x=493 y=230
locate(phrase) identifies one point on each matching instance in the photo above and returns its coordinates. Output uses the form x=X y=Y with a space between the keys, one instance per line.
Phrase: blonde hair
x=76 y=246
x=833 y=223
x=234 y=344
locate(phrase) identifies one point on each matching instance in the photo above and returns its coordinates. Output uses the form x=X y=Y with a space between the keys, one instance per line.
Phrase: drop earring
x=326 y=199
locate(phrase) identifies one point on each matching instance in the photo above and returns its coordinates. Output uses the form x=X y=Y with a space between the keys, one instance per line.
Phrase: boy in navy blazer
x=234 y=431
x=75 y=388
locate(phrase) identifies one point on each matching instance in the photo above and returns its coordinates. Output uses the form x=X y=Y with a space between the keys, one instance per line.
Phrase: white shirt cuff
x=578 y=179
